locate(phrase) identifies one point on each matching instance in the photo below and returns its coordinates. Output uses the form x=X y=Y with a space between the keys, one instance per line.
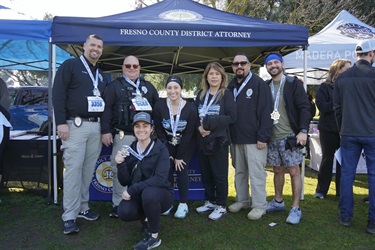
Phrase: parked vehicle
x=29 y=107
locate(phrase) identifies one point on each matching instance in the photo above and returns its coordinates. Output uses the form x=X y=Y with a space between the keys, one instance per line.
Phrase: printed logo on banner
x=356 y=31
x=102 y=180
x=180 y=15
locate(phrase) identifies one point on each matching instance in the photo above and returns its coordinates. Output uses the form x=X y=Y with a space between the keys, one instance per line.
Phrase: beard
x=240 y=75
x=275 y=73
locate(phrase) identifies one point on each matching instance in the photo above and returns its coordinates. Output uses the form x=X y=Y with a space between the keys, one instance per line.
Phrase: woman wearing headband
x=216 y=109
x=175 y=123
x=143 y=167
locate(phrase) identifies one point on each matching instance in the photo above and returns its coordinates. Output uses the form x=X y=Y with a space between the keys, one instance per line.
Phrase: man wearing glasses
x=250 y=135
x=124 y=97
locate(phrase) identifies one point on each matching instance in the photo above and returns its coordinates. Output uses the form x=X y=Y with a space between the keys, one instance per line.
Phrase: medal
x=275 y=115
x=174 y=141
x=124 y=151
x=121 y=134
x=77 y=121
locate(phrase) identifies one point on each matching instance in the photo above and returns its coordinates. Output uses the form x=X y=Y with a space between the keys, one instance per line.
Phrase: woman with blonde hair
x=216 y=110
x=328 y=130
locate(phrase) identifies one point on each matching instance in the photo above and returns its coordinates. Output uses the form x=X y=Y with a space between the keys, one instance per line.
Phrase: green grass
x=27 y=222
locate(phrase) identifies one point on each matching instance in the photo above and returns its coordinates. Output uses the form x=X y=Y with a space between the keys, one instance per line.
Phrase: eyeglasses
x=243 y=63
x=128 y=66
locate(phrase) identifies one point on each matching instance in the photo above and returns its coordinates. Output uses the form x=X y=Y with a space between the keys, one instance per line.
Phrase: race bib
x=141 y=104
x=95 y=104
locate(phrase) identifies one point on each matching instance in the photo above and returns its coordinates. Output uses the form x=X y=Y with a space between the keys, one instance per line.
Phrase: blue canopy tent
x=178 y=36
x=24 y=45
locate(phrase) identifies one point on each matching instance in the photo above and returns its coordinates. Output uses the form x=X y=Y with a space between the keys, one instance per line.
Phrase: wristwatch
x=303 y=131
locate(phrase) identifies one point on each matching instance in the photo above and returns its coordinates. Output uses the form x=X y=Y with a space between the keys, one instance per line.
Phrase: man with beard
x=291 y=118
x=249 y=136
x=122 y=97
x=354 y=106
x=78 y=106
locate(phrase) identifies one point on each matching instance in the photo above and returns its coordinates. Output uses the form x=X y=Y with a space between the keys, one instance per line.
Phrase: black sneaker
x=113 y=213
x=70 y=227
x=366 y=199
x=371 y=227
x=147 y=243
x=343 y=221
x=88 y=215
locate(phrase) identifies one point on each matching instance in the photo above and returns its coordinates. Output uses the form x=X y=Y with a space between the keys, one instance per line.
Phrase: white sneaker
x=256 y=214
x=182 y=211
x=237 y=206
x=219 y=212
x=207 y=207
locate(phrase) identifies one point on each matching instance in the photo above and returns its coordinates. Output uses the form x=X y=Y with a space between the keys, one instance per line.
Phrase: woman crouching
x=143 y=167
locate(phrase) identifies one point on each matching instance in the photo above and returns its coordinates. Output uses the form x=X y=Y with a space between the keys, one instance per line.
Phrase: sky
x=81 y=8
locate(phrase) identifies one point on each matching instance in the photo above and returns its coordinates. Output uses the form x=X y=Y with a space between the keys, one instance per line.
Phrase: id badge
x=95 y=104
x=141 y=104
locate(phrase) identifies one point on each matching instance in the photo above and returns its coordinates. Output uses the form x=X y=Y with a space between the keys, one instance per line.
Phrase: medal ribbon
x=206 y=107
x=174 y=123
x=94 y=81
x=135 y=85
x=139 y=155
x=237 y=92
x=276 y=99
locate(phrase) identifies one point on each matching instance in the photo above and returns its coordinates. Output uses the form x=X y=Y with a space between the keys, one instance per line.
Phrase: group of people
x=154 y=139
x=346 y=104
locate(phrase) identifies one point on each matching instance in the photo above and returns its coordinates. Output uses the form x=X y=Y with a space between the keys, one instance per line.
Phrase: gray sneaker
x=275 y=206
x=295 y=215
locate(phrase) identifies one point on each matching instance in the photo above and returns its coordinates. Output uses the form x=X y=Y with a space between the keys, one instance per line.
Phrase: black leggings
x=150 y=203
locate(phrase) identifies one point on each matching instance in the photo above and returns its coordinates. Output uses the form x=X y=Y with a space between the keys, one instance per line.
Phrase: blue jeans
x=351 y=148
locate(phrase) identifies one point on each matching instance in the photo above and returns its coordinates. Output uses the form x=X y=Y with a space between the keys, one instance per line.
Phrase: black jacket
x=119 y=112
x=154 y=168
x=324 y=101
x=296 y=103
x=354 y=100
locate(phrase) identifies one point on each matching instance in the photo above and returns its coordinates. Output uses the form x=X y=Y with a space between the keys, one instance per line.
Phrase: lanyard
x=135 y=85
x=276 y=104
x=206 y=106
x=174 y=123
x=94 y=81
x=139 y=155
x=235 y=92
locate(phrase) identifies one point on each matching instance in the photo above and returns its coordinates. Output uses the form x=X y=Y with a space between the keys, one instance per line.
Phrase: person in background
x=329 y=133
x=123 y=97
x=291 y=119
x=354 y=106
x=216 y=110
x=175 y=123
x=250 y=135
x=143 y=167
x=4 y=121
x=78 y=105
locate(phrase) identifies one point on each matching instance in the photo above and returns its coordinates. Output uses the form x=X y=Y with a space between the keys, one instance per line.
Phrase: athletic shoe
x=147 y=243
x=275 y=206
x=371 y=227
x=366 y=199
x=237 y=206
x=206 y=208
x=88 y=215
x=218 y=213
x=182 y=211
x=70 y=227
x=343 y=221
x=295 y=215
x=113 y=213
x=256 y=214
x=319 y=196
x=166 y=213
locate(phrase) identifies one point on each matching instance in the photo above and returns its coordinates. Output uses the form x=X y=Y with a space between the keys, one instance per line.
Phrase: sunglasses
x=243 y=63
x=128 y=66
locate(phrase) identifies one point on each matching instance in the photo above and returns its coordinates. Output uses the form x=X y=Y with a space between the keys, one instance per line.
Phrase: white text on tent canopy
x=184 y=33
x=326 y=55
